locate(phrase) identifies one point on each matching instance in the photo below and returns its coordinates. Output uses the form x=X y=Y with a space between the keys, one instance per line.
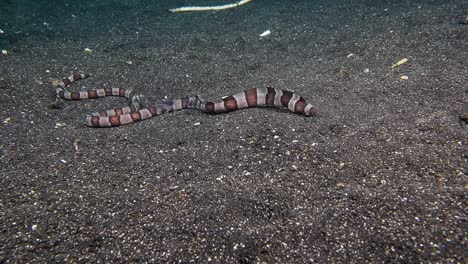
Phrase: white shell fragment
x=4 y=52
x=87 y=50
x=404 y=77
x=1 y=31
x=266 y=33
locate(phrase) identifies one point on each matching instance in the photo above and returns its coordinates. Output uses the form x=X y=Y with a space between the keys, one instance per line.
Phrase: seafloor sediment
x=378 y=176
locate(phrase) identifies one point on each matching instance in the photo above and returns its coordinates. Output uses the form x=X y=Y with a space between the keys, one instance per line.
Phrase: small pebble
x=404 y=77
x=344 y=74
x=366 y=70
x=4 y=52
x=87 y=50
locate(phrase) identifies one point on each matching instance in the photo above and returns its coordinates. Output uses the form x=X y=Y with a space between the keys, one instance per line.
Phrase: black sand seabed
x=378 y=176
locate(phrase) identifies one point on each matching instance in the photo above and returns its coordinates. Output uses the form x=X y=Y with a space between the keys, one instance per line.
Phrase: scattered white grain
x=220 y=178
x=60 y=125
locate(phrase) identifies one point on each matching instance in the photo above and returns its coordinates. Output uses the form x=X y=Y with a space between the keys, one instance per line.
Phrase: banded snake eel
x=134 y=112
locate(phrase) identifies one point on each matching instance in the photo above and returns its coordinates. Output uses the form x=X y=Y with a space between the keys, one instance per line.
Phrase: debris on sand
x=400 y=62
